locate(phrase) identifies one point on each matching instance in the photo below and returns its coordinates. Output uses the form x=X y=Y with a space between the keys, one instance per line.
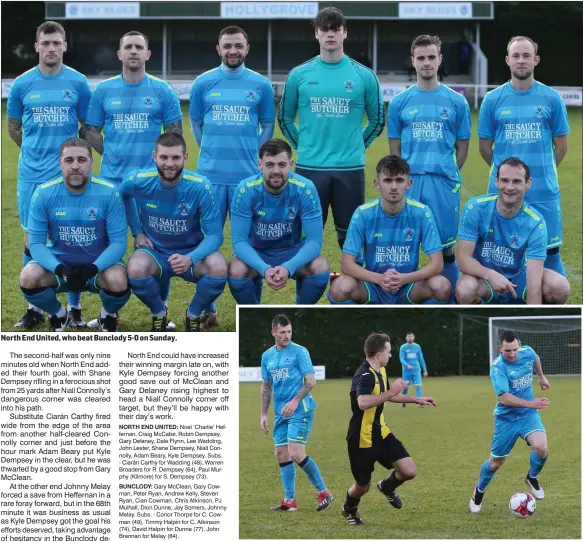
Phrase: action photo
x=164 y=163
x=417 y=424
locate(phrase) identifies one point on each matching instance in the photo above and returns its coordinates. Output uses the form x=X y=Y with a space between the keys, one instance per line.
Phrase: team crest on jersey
x=92 y=213
x=514 y=240
x=349 y=86
x=67 y=94
x=409 y=234
x=539 y=111
x=183 y=208
x=291 y=213
x=148 y=101
x=444 y=113
x=250 y=95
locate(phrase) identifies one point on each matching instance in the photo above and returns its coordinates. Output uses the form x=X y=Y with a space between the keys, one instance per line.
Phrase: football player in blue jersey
x=516 y=414
x=232 y=113
x=276 y=221
x=412 y=360
x=46 y=106
x=84 y=220
x=381 y=253
x=287 y=372
x=528 y=120
x=132 y=109
x=502 y=246
x=429 y=125
x=178 y=233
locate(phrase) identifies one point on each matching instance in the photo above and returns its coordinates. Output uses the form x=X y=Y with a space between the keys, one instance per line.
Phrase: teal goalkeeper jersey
x=331 y=99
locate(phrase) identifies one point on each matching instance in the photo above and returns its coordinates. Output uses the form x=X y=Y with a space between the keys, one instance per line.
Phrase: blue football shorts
x=377 y=295
x=295 y=429
x=412 y=376
x=442 y=196
x=551 y=212
x=166 y=270
x=224 y=194
x=507 y=298
x=507 y=432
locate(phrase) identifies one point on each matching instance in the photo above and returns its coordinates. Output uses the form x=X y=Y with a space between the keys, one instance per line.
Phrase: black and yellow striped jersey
x=368 y=427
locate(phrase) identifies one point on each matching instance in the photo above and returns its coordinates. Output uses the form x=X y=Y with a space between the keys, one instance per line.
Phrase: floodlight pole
x=164 y=50
x=269 y=51
x=460 y=341
x=375 y=39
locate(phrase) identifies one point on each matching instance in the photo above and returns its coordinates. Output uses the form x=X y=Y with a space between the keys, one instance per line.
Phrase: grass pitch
x=135 y=316
x=448 y=443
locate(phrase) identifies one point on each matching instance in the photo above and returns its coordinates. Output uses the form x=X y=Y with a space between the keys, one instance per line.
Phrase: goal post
x=556 y=340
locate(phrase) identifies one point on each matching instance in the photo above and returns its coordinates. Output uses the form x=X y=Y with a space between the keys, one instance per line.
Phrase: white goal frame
x=494 y=353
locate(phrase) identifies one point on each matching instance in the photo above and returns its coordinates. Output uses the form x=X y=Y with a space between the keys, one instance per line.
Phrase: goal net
x=556 y=340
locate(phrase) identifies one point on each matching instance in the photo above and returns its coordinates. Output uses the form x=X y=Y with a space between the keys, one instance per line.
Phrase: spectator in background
x=465 y=54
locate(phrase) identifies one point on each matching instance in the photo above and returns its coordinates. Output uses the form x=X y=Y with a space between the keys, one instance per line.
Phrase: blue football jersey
x=381 y=242
x=276 y=219
x=285 y=369
x=503 y=244
x=522 y=125
x=175 y=218
x=79 y=227
x=231 y=106
x=133 y=115
x=514 y=378
x=50 y=108
x=412 y=354
x=428 y=123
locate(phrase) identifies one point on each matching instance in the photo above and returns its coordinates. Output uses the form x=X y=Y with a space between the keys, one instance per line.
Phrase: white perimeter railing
x=572 y=95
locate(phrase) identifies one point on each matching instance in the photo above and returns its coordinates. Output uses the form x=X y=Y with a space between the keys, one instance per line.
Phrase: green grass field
x=135 y=316
x=448 y=444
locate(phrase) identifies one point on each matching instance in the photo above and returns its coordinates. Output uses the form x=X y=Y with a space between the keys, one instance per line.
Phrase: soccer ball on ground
x=522 y=505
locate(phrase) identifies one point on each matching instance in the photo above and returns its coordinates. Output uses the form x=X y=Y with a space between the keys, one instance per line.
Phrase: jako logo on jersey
x=507 y=112
x=312 y=82
x=118 y=102
x=151 y=205
x=514 y=240
x=349 y=86
x=443 y=113
x=60 y=213
x=183 y=208
x=67 y=95
x=35 y=97
x=409 y=234
x=377 y=235
x=215 y=94
x=261 y=212
x=413 y=111
x=148 y=101
x=250 y=95
x=92 y=213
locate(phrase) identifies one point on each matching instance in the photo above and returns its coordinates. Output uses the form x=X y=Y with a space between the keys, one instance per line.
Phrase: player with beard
x=502 y=246
x=83 y=218
x=429 y=125
x=45 y=107
x=132 y=108
x=232 y=114
x=276 y=222
x=181 y=225
x=528 y=120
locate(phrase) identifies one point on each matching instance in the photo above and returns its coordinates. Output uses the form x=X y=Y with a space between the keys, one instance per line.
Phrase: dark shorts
x=344 y=190
x=386 y=453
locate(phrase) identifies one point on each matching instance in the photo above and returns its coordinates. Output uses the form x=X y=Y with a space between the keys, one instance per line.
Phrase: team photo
x=225 y=178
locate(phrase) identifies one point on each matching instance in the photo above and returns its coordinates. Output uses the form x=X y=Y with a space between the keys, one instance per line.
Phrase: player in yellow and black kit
x=369 y=438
